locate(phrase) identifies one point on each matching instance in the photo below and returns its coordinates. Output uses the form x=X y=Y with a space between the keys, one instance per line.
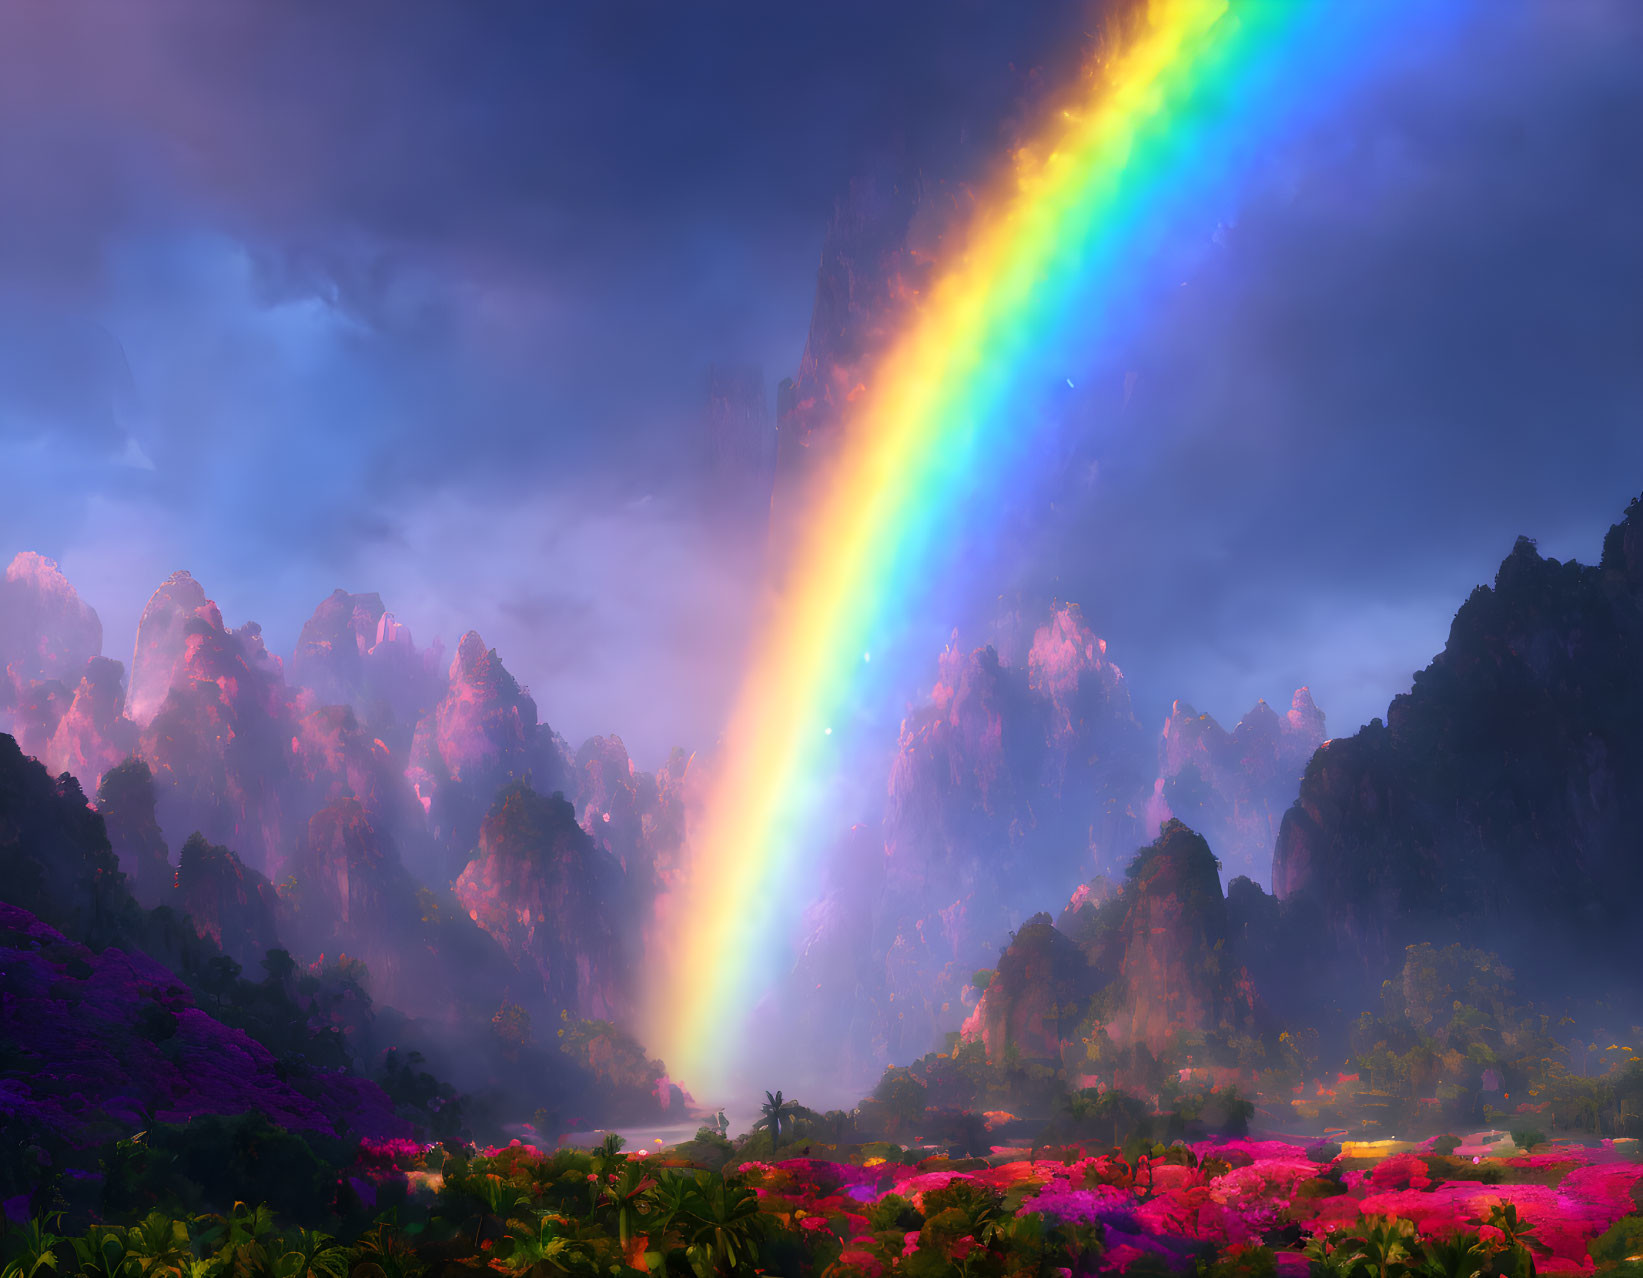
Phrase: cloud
x=414 y=298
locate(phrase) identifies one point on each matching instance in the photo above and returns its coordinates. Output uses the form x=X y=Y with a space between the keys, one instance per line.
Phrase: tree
x=776 y=1111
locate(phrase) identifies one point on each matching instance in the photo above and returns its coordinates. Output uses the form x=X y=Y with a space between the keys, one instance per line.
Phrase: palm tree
x=776 y=1111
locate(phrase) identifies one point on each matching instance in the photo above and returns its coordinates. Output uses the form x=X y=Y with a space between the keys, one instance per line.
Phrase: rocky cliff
x=1501 y=796
x=1150 y=963
x=553 y=900
x=481 y=735
x=1235 y=786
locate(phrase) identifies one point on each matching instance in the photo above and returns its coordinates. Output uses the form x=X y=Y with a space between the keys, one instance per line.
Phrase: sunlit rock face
x=219 y=740
x=94 y=734
x=1137 y=963
x=640 y=820
x=162 y=642
x=1235 y=786
x=1177 y=969
x=46 y=630
x=34 y=712
x=553 y=900
x=227 y=901
x=125 y=799
x=1501 y=792
x=331 y=650
x=1037 y=995
x=48 y=637
x=348 y=893
x=482 y=735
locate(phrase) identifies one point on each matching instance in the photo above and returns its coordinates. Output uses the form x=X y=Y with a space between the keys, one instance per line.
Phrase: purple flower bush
x=99 y=1046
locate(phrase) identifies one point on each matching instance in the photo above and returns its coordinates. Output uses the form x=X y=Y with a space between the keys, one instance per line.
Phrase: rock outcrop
x=1139 y=967
x=553 y=900
x=1500 y=797
x=46 y=630
x=162 y=642
x=352 y=652
x=218 y=734
x=1178 y=973
x=227 y=901
x=49 y=638
x=94 y=733
x=1235 y=786
x=1037 y=996
x=125 y=800
x=482 y=735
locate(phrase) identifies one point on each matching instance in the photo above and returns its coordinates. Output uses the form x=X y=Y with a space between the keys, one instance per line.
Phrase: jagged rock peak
x=46 y=630
x=1305 y=719
x=161 y=644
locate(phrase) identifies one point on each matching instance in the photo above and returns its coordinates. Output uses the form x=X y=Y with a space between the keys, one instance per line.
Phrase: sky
x=421 y=299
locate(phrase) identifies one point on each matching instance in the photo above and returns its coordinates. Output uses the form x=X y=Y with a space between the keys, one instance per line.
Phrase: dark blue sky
x=420 y=299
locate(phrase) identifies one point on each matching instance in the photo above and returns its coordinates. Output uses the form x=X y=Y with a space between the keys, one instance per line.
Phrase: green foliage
x=1462 y=1255
x=892 y=1211
x=975 y=1204
x=215 y=1161
x=1622 y=1241
x=1241 y=1262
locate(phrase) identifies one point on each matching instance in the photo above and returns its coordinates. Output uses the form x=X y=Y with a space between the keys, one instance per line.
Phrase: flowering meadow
x=1220 y=1208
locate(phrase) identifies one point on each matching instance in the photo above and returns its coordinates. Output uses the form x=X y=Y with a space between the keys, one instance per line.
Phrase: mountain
x=482 y=734
x=1501 y=797
x=46 y=630
x=1128 y=972
x=100 y=1045
x=113 y=1017
x=352 y=652
x=1235 y=786
x=50 y=652
x=552 y=899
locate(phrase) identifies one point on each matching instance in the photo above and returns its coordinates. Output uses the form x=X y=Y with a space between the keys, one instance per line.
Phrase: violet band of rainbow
x=1055 y=263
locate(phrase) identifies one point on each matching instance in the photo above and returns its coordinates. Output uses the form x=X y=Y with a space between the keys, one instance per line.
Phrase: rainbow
x=1060 y=256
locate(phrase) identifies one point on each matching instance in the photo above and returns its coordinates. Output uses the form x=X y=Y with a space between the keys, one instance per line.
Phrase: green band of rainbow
x=1055 y=262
